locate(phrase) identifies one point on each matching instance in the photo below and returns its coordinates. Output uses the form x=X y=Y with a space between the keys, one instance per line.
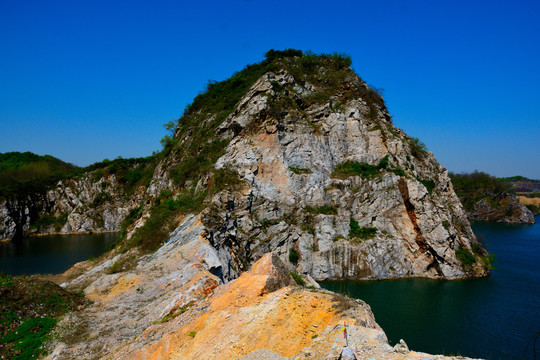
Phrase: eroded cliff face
x=76 y=205
x=294 y=197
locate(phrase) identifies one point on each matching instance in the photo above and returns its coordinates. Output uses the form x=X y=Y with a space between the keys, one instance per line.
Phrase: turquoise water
x=493 y=318
x=51 y=254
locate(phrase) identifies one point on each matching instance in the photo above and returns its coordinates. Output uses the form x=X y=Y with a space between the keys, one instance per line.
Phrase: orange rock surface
x=242 y=317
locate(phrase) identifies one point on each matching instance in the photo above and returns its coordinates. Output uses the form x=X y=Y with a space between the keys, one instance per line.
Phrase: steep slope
x=312 y=168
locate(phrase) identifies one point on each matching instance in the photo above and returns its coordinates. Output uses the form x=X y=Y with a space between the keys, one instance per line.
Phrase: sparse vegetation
x=350 y=168
x=299 y=171
x=294 y=256
x=265 y=223
x=418 y=148
x=446 y=224
x=45 y=220
x=163 y=218
x=298 y=279
x=338 y=237
x=429 y=184
x=363 y=233
x=175 y=313
x=366 y=171
x=325 y=210
x=29 y=309
x=308 y=227
x=465 y=257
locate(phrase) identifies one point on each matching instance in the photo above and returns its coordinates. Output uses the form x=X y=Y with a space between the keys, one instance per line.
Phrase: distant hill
x=522 y=184
x=488 y=198
x=24 y=173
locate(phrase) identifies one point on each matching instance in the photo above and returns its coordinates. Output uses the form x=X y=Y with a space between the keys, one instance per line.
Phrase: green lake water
x=51 y=254
x=494 y=318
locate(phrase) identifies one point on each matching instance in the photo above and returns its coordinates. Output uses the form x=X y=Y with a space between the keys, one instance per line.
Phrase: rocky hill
x=292 y=168
x=307 y=163
x=487 y=198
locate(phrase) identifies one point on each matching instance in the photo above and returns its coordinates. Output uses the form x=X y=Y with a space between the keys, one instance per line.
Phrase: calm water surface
x=51 y=254
x=493 y=318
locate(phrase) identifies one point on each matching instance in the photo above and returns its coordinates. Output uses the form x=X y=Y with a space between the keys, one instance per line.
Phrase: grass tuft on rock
x=362 y=233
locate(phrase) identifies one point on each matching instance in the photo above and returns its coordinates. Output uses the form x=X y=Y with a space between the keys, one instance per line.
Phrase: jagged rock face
x=287 y=160
x=170 y=305
x=72 y=206
x=503 y=208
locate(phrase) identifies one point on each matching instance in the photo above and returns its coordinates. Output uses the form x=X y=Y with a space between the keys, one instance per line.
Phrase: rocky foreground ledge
x=171 y=305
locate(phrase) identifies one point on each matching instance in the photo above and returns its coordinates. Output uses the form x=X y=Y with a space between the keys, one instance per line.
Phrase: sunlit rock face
x=295 y=197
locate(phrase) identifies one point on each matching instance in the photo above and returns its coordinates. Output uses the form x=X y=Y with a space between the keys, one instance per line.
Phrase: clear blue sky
x=88 y=80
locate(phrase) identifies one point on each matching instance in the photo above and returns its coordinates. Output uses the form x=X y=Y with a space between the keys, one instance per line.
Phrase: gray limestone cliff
x=301 y=199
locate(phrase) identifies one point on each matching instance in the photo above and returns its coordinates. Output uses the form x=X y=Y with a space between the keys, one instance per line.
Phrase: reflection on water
x=51 y=253
x=492 y=318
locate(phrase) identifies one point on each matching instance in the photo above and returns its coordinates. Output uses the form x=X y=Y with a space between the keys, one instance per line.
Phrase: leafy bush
x=197 y=164
x=465 y=257
x=298 y=279
x=429 y=184
x=225 y=178
x=45 y=220
x=308 y=227
x=357 y=232
x=350 y=168
x=163 y=218
x=293 y=256
x=418 y=148
x=101 y=198
x=265 y=223
x=446 y=224
x=534 y=208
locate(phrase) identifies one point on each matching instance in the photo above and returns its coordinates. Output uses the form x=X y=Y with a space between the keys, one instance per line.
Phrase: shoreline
x=73 y=233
